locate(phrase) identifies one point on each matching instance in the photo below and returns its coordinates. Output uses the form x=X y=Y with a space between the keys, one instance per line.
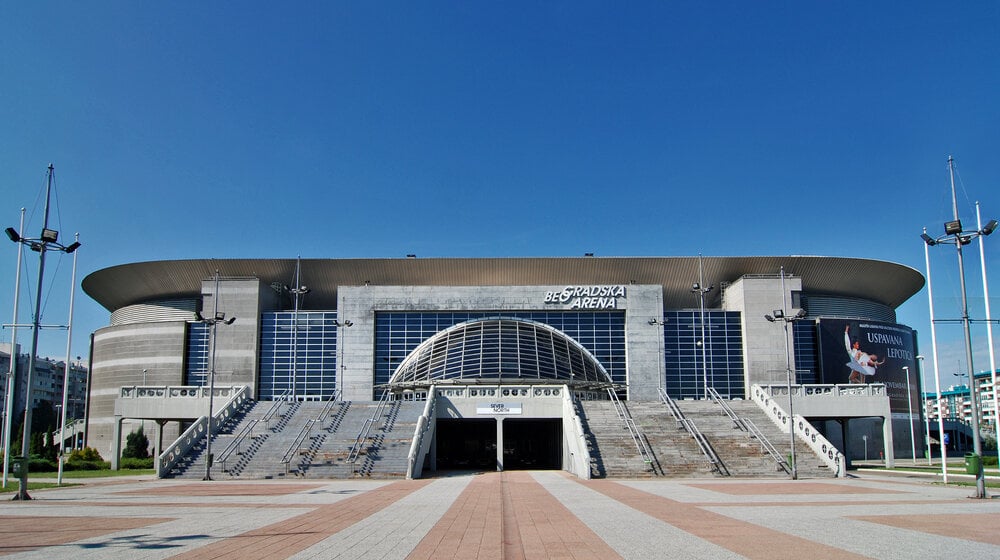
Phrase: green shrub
x=86 y=465
x=989 y=460
x=133 y=463
x=41 y=464
x=85 y=454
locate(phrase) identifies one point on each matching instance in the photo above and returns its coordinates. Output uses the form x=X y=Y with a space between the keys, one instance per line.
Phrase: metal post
x=788 y=376
x=12 y=375
x=69 y=347
x=211 y=380
x=937 y=366
x=989 y=331
x=923 y=408
x=22 y=493
x=909 y=417
x=977 y=445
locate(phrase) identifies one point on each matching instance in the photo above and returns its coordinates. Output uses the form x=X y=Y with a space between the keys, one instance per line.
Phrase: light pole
x=9 y=404
x=989 y=331
x=342 y=325
x=909 y=417
x=298 y=291
x=954 y=234
x=700 y=289
x=213 y=322
x=942 y=444
x=69 y=354
x=47 y=241
x=779 y=315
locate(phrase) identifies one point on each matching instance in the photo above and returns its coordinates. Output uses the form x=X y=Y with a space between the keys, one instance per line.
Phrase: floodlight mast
x=47 y=241
x=954 y=234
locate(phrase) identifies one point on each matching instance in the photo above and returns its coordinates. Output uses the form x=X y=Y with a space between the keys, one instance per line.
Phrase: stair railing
x=695 y=433
x=275 y=409
x=359 y=442
x=753 y=432
x=293 y=449
x=330 y=401
x=234 y=446
x=422 y=436
x=641 y=445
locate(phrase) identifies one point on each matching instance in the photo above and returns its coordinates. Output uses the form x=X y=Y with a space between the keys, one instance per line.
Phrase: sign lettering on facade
x=587 y=297
x=498 y=408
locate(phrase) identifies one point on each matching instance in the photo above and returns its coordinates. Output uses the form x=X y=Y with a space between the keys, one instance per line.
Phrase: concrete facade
x=152 y=307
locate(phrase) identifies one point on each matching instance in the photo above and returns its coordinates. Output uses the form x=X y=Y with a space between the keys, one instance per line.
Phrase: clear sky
x=375 y=129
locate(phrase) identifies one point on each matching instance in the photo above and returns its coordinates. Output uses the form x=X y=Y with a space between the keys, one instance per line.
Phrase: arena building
x=647 y=328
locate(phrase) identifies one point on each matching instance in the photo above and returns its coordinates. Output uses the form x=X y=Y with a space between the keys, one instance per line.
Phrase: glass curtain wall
x=196 y=355
x=399 y=333
x=303 y=363
x=684 y=366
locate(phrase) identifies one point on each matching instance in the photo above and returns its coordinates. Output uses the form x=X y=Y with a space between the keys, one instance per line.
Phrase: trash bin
x=17 y=465
x=973 y=463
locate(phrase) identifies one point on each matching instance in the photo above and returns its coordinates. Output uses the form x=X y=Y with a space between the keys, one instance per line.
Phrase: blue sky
x=332 y=129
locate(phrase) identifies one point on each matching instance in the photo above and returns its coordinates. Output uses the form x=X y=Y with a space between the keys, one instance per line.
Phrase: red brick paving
x=470 y=528
x=981 y=527
x=286 y=538
x=746 y=539
x=224 y=489
x=511 y=516
x=21 y=534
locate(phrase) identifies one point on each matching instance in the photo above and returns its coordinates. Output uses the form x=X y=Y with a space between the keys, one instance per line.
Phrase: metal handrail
x=294 y=447
x=366 y=429
x=694 y=432
x=641 y=445
x=275 y=409
x=748 y=426
x=330 y=401
x=234 y=446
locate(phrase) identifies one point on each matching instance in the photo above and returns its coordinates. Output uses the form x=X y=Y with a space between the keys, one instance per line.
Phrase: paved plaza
x=511 y=515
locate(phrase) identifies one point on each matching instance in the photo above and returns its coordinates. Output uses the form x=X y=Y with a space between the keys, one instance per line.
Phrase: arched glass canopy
x=500 y=350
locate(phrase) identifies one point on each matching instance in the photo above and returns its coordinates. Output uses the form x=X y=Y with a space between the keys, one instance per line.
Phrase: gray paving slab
x=631 y=533
x=394 y=531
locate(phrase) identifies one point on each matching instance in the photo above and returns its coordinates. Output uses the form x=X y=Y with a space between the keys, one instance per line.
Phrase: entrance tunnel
x=528 y=443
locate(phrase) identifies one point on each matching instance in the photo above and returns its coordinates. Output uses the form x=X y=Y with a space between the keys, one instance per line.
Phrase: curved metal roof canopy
x=128 y=284
x=500 y=350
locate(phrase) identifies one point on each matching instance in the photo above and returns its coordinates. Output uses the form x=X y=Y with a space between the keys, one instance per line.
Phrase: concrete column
x=890 y=458
x=116 y=445
x=844 y=437
x=158 y=441
x=499 y=444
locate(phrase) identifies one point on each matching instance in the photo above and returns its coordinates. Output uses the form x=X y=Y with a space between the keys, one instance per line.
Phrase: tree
x=136 y=445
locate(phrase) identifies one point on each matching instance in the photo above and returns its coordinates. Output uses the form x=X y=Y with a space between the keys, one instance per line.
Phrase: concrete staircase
x=324 y=450
x=384 y=454
x=742 y=455
x=675 y=452
x=613 y=452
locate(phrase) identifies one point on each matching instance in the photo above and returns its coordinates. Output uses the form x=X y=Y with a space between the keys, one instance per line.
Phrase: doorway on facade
x=466 y=444
x=532 y=443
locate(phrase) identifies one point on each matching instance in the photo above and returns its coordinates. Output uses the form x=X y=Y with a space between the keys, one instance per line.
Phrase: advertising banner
x=861 y=352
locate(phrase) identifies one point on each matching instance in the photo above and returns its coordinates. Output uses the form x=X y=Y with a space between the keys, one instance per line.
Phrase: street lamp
x=340 y=347
x=957 y=236
x=779 y=315
x=700 y=289
x=909 y=411
x=217 y=317
x=47 y=241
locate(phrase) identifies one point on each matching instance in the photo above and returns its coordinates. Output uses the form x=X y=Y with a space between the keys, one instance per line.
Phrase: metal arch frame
x=425 y=346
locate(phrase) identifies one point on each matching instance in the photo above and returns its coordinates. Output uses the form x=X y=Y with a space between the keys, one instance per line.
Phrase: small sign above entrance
x=498 y=408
